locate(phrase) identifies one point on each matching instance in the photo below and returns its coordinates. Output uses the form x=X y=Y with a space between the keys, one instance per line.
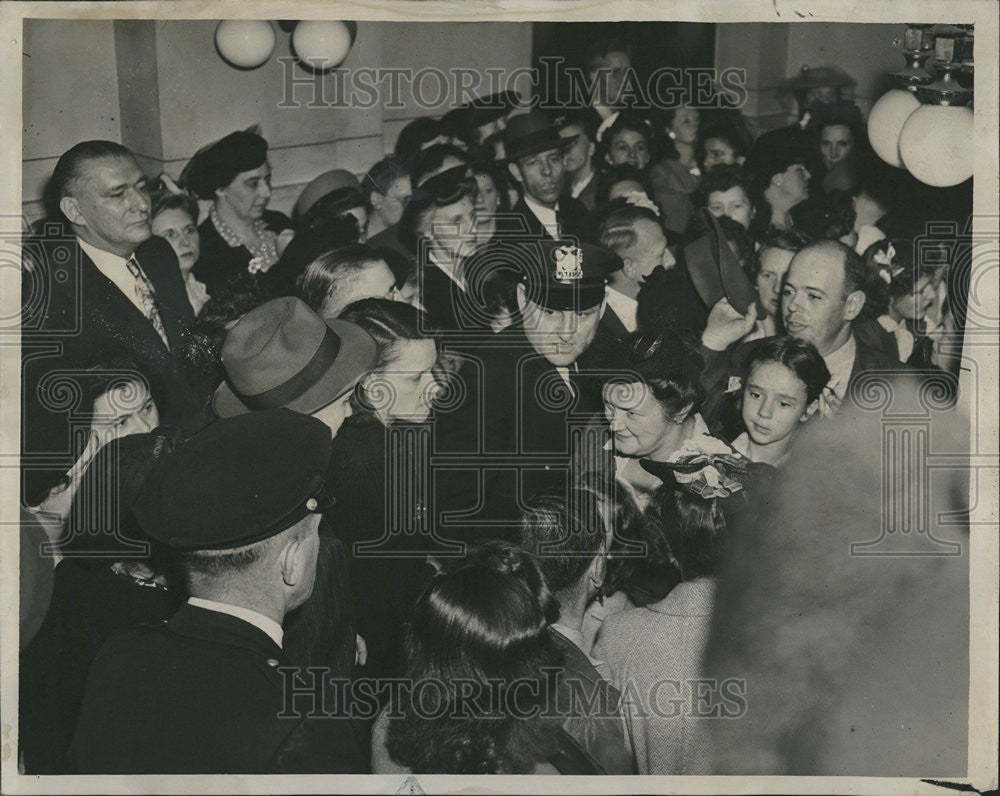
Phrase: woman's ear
x=522 y=296
x=682 y=415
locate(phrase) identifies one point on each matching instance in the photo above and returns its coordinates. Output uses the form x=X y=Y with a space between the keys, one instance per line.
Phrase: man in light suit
x=99 y=284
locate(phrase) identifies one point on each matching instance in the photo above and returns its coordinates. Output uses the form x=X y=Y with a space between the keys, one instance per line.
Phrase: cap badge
x=569 y=263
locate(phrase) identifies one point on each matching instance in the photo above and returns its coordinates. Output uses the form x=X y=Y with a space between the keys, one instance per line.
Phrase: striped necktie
x=147 y=298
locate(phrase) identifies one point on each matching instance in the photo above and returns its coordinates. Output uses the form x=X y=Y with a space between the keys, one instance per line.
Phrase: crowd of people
x=436 y=474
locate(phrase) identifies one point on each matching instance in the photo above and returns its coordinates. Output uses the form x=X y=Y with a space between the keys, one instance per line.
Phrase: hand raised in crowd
x=726 y=326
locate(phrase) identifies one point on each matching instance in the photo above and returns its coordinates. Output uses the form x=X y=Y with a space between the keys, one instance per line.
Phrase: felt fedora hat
x=531 y=133
x=282 y=354
x=716 y=270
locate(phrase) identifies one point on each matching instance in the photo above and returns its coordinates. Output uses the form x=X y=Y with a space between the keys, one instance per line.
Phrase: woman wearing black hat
x=240 y=233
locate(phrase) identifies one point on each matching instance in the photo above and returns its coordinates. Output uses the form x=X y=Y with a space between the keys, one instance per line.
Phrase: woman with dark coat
x=240 y=234
x=378 y=457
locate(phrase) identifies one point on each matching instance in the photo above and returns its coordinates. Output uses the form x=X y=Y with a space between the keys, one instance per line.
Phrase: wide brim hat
x=531 y=133
x=716 y=271
x=325 y=183
x=282 y=354
x=818 y=77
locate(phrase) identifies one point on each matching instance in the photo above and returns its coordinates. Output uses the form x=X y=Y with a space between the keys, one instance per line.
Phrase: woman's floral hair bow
x=885 y=258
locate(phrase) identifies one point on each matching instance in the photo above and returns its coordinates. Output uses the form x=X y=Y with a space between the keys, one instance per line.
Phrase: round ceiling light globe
x=886 y=120
x=936 y=144
x=321 y=45
x=245 y=43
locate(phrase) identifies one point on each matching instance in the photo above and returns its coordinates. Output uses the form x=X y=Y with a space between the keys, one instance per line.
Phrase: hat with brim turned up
x=716 y=271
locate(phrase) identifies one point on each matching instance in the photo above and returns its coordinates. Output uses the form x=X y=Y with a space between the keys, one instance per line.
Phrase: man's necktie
x=147 y=298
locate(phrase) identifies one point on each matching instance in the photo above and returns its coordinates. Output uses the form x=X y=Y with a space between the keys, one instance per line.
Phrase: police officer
x=239 y=504
x=521 y=390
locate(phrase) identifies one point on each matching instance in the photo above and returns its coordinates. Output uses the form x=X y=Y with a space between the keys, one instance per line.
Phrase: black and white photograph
x=499 y=397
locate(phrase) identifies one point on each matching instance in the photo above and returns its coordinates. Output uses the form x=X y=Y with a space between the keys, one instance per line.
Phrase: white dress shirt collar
x=840 y=363
x=546 y=215
x=258 y=620
x=449 y=269
x=114 y=268
x=625 y=307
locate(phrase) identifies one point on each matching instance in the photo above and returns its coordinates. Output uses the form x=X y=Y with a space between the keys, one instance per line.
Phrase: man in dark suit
x=101 y=284
x=510 y=434
x=239 y=504
x=535 y=160
x=823 y=293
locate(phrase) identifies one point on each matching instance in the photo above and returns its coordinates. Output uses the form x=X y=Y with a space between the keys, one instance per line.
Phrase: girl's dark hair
x=167 y=200
x=485 y=620
x=723 y=132
x=721 y=178
x=627 y=120
x=565 y=533
x=669 y=367
x=323 y=276
x=432 y=159
x=104 y=373
x=640 y=562
x=498 y=174
x=828 y=218
x=612 y=175
x=800 y=357
x=902 y=272
x=695 y=529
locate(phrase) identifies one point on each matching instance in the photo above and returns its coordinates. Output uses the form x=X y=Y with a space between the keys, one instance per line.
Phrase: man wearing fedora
x=282 y=354
x=535 y=160
x=509 y=437
x=239 y=506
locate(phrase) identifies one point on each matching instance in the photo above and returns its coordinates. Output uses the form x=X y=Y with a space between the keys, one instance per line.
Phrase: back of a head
x=383 y=174
x=695 y=529
x=618 y=229
x=564 y=534
x=486 y=618
x=329 y=274
x=388 y=322
x=414 y=136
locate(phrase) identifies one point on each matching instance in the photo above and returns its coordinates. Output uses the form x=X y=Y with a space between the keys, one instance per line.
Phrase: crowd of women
x=610 y=577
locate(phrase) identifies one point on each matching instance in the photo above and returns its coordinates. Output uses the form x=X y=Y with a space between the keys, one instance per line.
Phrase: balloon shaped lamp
x=245 y=43
x=322 y=45
x=935 y=143
x=886 y=120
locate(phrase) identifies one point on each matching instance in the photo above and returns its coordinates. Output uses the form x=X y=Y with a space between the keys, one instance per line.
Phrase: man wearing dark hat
x=535 y=160
x=475 y=121
x=522 y=388
x=97 y=282
x=579 y=134
x=239 y=505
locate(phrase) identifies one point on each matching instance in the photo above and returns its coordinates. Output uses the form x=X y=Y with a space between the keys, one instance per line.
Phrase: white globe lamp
x=245 y=43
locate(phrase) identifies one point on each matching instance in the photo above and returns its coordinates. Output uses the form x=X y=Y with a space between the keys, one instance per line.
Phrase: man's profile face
x=650 y=249
x=109 y=205
x=541 y=176
x=813 y=303
x=795 y=182
x=560 y=336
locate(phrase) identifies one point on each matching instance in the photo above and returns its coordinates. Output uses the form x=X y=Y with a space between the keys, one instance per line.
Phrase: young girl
x=780 y=390
x=625 y=137
x=903 y=294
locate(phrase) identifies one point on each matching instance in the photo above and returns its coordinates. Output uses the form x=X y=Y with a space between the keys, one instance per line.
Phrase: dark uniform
x=203 y=691
x=505 y=431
